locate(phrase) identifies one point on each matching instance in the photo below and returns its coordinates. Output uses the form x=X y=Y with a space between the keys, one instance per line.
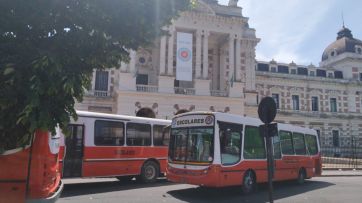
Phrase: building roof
x=344 y=43
x=231 y=10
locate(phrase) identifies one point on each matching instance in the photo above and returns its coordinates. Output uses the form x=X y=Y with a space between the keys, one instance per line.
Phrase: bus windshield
x=192 y=145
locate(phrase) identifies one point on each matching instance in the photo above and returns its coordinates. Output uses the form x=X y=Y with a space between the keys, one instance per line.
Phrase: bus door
x=230 y=152
x=73 y=154
x=289 y=164
x=278 y=164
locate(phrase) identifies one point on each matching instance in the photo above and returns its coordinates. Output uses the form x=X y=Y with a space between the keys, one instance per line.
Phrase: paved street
x=321 y=189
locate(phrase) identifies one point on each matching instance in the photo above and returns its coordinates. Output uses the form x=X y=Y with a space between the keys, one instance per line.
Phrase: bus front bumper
x=208 y=178
x=50 y=199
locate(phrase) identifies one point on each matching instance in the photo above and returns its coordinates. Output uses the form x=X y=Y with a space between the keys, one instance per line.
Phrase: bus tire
x=124 y=178
x=301 y=176
x=249 y=182
x=150 y=172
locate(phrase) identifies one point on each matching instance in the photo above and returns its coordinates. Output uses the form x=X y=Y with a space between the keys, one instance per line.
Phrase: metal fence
x=342 y=157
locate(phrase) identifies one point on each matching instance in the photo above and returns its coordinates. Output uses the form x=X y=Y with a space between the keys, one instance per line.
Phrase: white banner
x=184 y=57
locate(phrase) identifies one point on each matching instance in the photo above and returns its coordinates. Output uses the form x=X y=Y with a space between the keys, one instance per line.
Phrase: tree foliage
x=49 y=49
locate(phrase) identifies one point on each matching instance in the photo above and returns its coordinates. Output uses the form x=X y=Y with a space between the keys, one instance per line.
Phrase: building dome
x=344 y=43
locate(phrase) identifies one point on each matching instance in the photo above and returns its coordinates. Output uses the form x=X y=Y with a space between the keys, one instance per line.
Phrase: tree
x=49 y=49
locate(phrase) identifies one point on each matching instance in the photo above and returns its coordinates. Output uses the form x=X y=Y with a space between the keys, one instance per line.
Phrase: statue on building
x=233 y=3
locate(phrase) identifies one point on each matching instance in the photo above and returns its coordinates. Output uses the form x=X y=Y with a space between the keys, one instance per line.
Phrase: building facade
x=227 y=77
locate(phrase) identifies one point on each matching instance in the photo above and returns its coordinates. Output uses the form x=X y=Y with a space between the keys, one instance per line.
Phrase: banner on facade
x=184 y=57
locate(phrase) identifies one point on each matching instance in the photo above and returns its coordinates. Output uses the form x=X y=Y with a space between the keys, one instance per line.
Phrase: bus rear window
x=312 y=145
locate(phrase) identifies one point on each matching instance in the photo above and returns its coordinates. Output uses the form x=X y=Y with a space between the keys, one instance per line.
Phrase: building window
x=295 y=99
x=293 y=71
x=142 y=79
x=276 y=99
x=333 y=53
x=333 y=103
x=358 y=50
x=273 y=69
x=302 y=71
x=330 y=75
x=338 y=74
x=315 y=104
x=263 y=67
x=335 y=134
x=360 y=77
x=101 y=83
x=321 y=73
x=312 y=73
x=283 y=69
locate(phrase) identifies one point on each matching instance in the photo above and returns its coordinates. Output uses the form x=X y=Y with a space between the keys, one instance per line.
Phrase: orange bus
x=219 y=149
x=108 y=145
x=30 y=173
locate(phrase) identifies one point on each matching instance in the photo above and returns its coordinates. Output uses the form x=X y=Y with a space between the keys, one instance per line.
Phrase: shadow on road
x=76 y=189
x=234 y=194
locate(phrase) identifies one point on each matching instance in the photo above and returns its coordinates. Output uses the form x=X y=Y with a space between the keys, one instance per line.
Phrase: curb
x=341 y=169
x=342 y=175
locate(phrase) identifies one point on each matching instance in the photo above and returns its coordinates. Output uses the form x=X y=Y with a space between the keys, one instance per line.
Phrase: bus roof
x=117 y=116
x=233 y=118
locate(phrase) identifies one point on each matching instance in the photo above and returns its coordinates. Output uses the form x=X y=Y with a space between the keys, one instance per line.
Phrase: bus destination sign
x=192 y=121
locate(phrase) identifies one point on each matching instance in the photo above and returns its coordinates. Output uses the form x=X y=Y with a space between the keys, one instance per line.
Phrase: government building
x=224 y=75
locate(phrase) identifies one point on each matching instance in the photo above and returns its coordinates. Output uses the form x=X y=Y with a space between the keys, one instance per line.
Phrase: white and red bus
x=31 y=173
x=109 y=145
x=219 y=149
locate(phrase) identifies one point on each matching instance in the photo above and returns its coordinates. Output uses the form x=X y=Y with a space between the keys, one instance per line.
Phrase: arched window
x=333 y=53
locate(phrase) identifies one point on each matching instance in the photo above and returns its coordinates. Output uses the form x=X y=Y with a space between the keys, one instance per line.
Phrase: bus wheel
x=150 y=171
x=124 y=178
x=301 y=176
x=249 y=182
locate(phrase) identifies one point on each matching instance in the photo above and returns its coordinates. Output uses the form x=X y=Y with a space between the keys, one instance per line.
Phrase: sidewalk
x=336 y=172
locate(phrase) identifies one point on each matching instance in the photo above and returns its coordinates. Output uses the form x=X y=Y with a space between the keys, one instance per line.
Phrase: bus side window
x=286 y=142
x=161 y=135
x=230 y=142
x=138 y=134
x=299 y=143
x=254 y=146
x=276 y=147
x=108 y=133
x=312 y=145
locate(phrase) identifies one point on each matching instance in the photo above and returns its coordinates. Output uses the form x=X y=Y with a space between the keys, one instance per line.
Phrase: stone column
x=123 y=67
x=250 y=78
x=170 y=52
x=237 y=65
x=198 y=54
x=231 y=56
x=163 y=55
x=205 y=72
x=132 y=63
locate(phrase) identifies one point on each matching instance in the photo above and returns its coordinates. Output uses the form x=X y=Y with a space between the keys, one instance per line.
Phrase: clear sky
x=299 y=30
